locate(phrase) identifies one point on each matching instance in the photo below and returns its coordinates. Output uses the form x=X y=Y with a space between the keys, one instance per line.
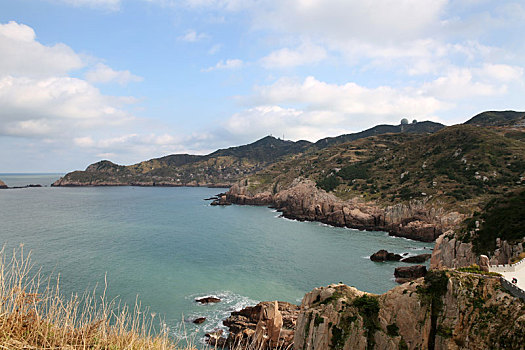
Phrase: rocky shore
x=444 y=310
x=304 y=201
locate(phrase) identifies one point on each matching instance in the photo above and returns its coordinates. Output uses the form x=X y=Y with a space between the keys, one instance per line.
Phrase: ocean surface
x=168 y=246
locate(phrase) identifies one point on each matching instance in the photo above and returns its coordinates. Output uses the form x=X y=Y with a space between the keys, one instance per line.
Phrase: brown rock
x=207 y=300
x=383 y=255
x=199 y=320
x=421 y=258
x=267 y=324
x=2 y=184
x=408 y=273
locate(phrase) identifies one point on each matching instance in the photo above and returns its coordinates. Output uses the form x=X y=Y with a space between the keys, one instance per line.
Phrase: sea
x=166 y=246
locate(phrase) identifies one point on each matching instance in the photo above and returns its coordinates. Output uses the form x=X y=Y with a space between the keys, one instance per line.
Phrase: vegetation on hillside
x=503 y=217
x=461 y=166
x=222 y=167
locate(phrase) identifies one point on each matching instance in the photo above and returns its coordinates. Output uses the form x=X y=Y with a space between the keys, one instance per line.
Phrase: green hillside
x=459 y=166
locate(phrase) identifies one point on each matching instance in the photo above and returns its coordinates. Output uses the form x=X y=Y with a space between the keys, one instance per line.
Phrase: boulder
x=207 y=300
x=2 y=184
x=408 y=273
x=199 y=320
x=421 y=258
x=383 y=255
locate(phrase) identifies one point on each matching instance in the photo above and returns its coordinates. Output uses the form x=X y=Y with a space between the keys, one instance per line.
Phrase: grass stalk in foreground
x=34 y=315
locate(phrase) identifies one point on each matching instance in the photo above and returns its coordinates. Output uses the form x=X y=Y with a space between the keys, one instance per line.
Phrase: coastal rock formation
x=304 y=201
x=408 y=273
x=383 y=255
x=418 y=259
x=2 y=184
x=451 y=252
x=444 y=310
x=269 y=324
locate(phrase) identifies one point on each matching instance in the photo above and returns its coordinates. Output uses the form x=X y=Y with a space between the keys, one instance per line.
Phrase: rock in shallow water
x=421 y=258
x=383 y=255
x=207 y=300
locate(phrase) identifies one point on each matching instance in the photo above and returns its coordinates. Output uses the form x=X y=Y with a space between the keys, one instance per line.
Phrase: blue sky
x=129 y=80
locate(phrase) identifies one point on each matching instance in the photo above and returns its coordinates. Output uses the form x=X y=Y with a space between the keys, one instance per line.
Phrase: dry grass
x=34 y=315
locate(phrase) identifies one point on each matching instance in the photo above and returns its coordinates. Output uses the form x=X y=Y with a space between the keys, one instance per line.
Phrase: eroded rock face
x=269 y=324
x=304 y=201
x=451 y=252
x=446 y=310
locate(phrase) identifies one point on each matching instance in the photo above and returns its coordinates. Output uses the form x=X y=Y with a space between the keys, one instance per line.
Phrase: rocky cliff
x=450 y=251
x=304 y=201
x=444 y=310
x=2 y=184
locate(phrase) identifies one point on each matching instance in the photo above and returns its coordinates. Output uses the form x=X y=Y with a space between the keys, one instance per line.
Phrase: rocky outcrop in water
x=445 y=310
x=304 y=201
x=383 y=255
x=2 y=184
x=269 y=324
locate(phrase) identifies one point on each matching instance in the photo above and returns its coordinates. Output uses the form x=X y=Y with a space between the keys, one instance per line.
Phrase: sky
x=130 y=80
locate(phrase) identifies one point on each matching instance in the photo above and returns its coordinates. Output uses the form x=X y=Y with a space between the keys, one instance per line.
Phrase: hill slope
x=220 y=168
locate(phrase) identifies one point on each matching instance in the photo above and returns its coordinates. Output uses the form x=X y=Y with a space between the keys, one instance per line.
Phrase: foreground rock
x=2 y=184
x=408 y=273
x=266 y=325
x=383 y=255
x=304 y=201
x=199 y=320
x=418 y=259
x=207 y=300
x=445 y=310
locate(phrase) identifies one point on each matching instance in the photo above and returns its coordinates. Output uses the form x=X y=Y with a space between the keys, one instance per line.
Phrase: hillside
x=498 y=118
x=460 y=167
x=221 y=168
x=414 y=128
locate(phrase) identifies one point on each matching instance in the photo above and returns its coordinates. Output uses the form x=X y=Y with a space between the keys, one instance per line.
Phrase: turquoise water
x=168 y=246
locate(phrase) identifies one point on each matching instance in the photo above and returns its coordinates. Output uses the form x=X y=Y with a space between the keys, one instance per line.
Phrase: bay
x=168 y=246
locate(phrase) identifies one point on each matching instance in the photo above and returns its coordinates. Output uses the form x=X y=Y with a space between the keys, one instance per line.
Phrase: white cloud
x=461 y=83
x=313 y=109
x=39 y=98
x=192 y=36
x=349 y=98
x=22 y=55
x=55 y=106
x=214 y=49
x=104 y=74
x=228 y=64
x=370 y=20
x=306 y=53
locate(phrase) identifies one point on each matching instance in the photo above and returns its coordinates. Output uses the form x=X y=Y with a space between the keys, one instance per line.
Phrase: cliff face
x=304 y=201
x=451 y=252
x=445 y=310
